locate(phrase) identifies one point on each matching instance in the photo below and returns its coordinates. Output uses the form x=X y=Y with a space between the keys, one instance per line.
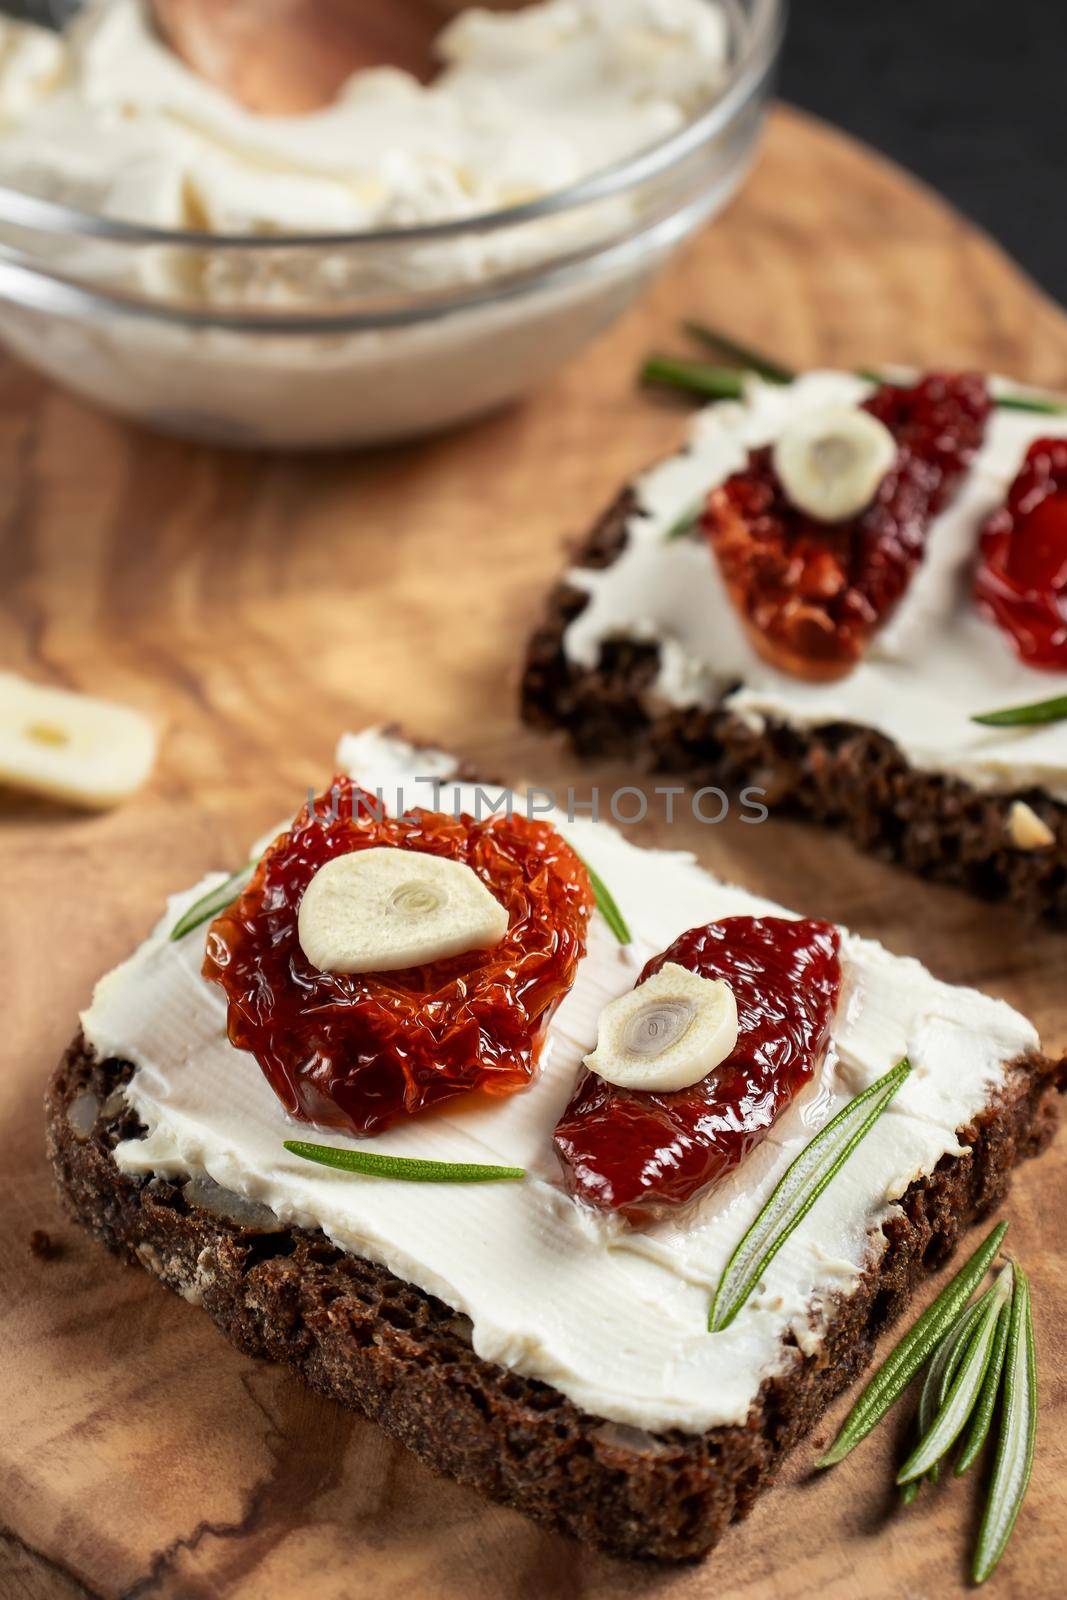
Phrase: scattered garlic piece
x=667 y=1033
x=1027 y=830
x=385 y=908
x=70 y=746
x=832 y=462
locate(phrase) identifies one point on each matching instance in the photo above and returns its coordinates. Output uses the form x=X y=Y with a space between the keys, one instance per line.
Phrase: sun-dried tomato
x=636 y=1153
x=1022 y=576
x=812 y=594
x=361 y=1051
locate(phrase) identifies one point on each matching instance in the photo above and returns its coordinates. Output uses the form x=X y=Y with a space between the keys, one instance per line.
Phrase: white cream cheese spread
x=614 y=1318
x=110 y=120
x=936 y=663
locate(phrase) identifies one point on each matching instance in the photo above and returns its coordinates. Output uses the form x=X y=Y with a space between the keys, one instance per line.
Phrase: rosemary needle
x=1032 y=715
x=1015 y=1444
x=802 y=1184
x=606 y=905
x=982 y=1416
x=371 y=1164
x=209 y=905
x=685 y=523
x=693 y=377
x=741 y=355
x=1027 y=402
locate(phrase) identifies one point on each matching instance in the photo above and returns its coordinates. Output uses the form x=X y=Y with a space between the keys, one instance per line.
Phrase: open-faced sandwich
x=854 y=595
x=463 y=1115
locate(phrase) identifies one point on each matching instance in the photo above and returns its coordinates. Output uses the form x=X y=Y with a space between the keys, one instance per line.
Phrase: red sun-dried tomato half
x=361 y=1051
x=639 y=1154
x=1022 y=574
x=812 y=594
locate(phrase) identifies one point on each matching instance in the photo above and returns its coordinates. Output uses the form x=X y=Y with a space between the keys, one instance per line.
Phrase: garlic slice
x=666 y=1034
x=70 y=746
x=1027 y=830
x=831 y=464
x=382 y=909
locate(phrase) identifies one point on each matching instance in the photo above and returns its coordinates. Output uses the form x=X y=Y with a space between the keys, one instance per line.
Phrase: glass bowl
x=323 y=340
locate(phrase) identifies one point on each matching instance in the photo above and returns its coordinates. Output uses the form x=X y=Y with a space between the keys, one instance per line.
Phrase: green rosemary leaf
x=370 y=1164
x=1032 y=715
x=793 y=1198
x=741 y=355
x=909 y=1490
x=685 y=523
x=982 y=1418
x=694 y=377
x=1015 y=1444
x=1039 y=404
x=943 y=1366
x=605 y=902
x=209 y=905
x=724 y=383
x=963 y=1393
x=912 y=1352
x=1026 y=402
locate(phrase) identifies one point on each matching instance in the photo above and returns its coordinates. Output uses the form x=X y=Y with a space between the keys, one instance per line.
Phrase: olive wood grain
x=257 y=606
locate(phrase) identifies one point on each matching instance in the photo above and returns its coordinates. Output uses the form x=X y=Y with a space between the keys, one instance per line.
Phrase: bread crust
x=359 y=1334
x=842 y=775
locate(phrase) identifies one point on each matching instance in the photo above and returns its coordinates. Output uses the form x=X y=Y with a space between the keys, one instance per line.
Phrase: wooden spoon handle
x=291 y=56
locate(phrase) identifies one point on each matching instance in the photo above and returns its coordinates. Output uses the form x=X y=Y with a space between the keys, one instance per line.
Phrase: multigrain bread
x=357 y=1333
x=842 y=774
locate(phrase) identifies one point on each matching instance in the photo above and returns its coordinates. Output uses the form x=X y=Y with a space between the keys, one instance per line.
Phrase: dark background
x=969 y=94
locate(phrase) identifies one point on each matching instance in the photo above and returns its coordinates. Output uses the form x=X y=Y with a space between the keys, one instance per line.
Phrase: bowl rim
x=29 y=288
x=762 y=42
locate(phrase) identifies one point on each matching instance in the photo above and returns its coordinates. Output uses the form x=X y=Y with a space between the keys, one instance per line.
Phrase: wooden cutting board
x=260 y=606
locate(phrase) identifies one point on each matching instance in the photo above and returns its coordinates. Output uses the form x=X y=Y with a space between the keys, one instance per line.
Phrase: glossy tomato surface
x=638 y=1154
x=1022 y=575
x=361 y=1051
x=812 y=594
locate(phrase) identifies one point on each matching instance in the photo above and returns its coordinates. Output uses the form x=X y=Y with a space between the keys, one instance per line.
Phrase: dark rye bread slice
x=843 y=775
x=357 y=1333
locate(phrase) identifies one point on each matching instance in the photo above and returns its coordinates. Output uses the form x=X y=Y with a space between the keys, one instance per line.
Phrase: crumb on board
x=43 y=1246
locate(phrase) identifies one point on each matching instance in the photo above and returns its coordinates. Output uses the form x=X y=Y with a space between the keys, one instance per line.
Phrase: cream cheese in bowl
x=443 y=246
x=527 y=102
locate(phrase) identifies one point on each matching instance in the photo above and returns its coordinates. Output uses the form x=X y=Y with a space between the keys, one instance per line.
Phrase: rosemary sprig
x=943 y=1366
x=693 y=377
x=1032 y=715
x=371 y=1164
x=605 y=903
x=739 y=355
x=982 y=1416
x=897 y=1371
x=725 y=383
x=209 y=905
x=1004 y=402
x=797 y=1192
x=964 y=1390
x=1015 y=1444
